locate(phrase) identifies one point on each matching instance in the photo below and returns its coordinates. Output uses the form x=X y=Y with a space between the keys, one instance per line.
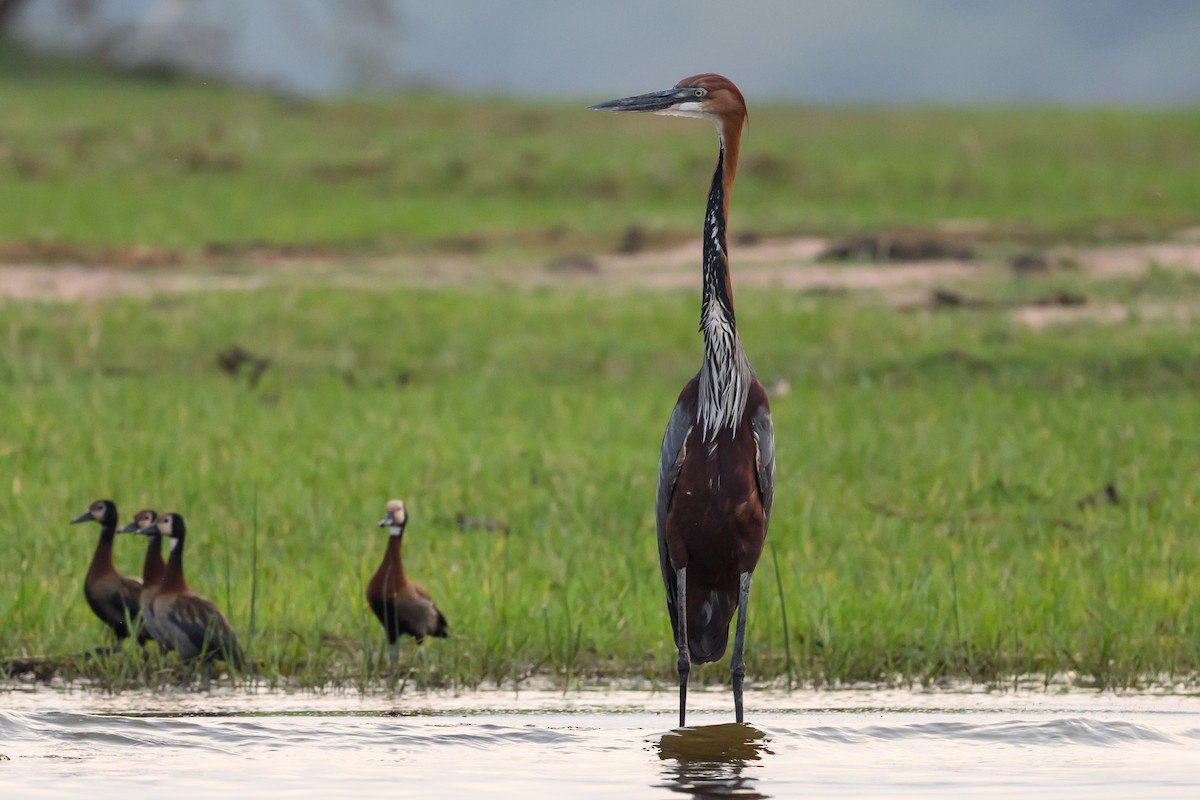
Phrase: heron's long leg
x=681 y=640
x=737 y=665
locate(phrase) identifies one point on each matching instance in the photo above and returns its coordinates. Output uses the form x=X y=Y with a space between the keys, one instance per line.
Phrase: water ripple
x=105 y=756
x=247 y=735
x=1070 y=730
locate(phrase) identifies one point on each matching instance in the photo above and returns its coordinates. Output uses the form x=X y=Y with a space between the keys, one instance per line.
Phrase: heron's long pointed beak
x=652 y=101
x=84 y=517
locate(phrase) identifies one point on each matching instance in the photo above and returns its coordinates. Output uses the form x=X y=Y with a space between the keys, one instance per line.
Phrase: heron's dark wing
x=670 y=461
x=764 y=437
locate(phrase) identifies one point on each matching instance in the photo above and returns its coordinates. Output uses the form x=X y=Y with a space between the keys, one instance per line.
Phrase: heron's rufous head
x=707 y=96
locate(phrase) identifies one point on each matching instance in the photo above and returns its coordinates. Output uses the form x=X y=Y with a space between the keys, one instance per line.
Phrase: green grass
x=927 y=520
x=92 y=159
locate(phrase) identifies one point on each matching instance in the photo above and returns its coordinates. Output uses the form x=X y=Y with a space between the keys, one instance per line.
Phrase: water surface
x=599 y=744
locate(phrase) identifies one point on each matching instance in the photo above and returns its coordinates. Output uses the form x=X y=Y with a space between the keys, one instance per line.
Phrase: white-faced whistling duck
x=112 y=596
x=716 y=474
x=402 y=607
x=153 y=568
x=186 y=621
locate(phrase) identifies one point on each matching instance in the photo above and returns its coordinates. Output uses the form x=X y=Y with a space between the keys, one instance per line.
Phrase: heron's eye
x=699 y=93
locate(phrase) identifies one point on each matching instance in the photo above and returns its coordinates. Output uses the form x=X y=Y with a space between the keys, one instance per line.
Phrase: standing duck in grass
x=184 y=620
x=403 y=607
x=112 y=596
x=153 y=568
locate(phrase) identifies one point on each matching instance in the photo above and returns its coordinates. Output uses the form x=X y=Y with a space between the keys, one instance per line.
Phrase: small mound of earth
x=574 y=263
x=896 y=248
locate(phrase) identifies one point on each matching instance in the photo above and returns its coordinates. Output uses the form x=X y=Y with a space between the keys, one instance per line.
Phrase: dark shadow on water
x=710 y=761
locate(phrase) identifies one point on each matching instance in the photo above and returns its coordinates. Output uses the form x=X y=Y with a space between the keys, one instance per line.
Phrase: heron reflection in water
x=713 y=761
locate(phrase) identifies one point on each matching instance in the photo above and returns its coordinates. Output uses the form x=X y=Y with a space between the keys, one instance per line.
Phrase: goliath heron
x=716 y=475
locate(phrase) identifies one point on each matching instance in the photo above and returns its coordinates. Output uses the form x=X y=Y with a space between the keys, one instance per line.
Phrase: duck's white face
x=169 y=525
x=396 y=517
x=99 y=511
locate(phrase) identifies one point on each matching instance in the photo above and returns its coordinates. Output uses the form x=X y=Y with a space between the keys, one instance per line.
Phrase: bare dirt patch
x=1111 y=313
x=59 y=282
x=789 y=264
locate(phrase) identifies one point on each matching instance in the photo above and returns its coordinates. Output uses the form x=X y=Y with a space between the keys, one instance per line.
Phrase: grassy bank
x=940 y=509
x=93 y=160
x=958 y=496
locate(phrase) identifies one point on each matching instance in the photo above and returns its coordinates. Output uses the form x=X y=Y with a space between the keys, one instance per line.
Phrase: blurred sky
x=1095 y=52
x=840 y=51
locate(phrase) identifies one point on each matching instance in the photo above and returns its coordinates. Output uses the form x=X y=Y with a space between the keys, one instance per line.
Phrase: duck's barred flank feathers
x=414 y=616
